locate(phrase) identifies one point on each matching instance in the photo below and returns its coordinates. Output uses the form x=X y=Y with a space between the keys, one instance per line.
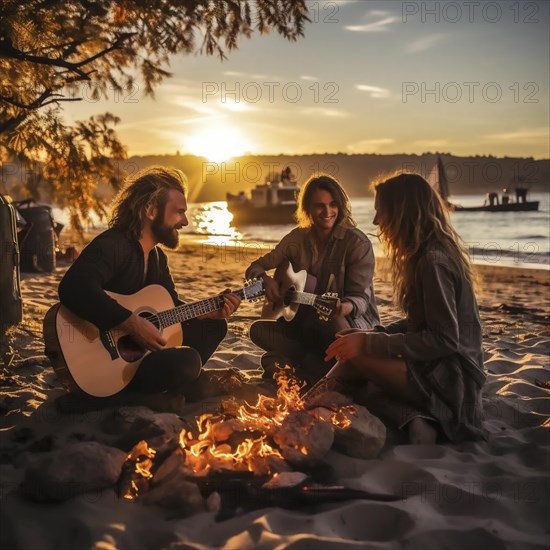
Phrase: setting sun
x=218 y=143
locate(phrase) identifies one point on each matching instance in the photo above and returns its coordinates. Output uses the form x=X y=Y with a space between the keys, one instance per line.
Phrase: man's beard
x=168 y=236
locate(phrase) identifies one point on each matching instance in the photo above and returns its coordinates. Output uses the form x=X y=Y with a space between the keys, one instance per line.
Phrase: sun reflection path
x=213 y=220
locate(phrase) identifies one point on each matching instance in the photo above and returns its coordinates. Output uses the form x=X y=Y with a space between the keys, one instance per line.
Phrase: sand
x=489 y=494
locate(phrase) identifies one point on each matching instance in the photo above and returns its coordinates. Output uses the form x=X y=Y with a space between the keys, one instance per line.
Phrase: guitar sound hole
x=129 y=350
x=151 y=317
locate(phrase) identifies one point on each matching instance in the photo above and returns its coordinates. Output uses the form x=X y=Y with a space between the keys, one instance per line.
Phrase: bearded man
x=149 y=210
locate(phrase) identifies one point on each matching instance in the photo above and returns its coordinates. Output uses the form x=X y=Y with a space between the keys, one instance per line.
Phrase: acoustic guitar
x=297 y=288
x=103 y=362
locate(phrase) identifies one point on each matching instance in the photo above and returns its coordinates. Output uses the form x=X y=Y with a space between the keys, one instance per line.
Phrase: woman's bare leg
x=391 y=375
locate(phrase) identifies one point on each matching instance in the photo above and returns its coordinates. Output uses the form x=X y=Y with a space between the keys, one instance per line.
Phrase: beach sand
x=488 y=494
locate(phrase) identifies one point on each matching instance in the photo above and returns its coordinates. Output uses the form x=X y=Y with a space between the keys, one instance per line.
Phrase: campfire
x=272 y=440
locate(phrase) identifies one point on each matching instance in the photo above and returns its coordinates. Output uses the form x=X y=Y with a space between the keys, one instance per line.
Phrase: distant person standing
x=328 y=245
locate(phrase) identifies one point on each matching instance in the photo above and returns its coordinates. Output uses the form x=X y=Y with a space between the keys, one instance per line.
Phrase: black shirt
x=114 y=262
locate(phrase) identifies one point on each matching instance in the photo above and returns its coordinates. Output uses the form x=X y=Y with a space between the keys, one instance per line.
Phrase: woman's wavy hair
x=412 y=216
x=149 y=187
x=324 y=183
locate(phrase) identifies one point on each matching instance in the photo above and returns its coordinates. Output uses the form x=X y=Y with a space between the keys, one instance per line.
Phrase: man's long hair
x=149 y=187
x=411 y=216
x=323 y=183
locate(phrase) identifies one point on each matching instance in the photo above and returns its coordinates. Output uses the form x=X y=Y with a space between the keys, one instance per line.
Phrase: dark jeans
x=302 y=340
x=174 y=369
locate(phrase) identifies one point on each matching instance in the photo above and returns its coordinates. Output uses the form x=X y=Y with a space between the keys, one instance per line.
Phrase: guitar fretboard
x=185 y=312
x=305 y=298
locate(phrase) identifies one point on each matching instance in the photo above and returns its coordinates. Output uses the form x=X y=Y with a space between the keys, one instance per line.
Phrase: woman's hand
x=346 y=348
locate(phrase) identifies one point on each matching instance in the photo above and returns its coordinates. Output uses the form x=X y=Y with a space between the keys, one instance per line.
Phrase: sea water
x=520 y=239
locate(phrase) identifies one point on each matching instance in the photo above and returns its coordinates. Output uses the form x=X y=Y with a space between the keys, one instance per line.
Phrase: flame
x=241 y=439
x=143 y=457
x=255 y=453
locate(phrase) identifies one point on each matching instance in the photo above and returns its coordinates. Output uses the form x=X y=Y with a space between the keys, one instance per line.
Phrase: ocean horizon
x=513 y=239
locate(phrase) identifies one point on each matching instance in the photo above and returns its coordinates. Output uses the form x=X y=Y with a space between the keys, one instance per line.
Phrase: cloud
x=334 y=113
x=309 y=78
x=523 y=134
x=253 y=76
x=193 y=104
x=424 y=43
x=375 y=91
x=379 y=13
x=431 y=143
x=236 y=106
x=369 y=145
x=382 y=25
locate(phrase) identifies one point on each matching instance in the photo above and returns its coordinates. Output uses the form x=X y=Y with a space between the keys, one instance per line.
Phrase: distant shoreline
x=247 y=250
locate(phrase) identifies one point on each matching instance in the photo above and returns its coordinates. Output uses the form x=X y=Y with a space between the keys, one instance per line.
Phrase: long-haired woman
x=433 y=359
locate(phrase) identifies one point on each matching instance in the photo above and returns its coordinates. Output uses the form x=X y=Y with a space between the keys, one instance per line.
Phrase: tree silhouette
x=50 y=51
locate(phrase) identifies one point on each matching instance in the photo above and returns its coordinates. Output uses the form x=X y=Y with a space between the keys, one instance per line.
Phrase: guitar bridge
x=109 y=343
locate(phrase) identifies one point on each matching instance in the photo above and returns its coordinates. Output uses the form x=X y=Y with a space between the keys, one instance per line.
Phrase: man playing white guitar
x=329 y=246
x=125 y=259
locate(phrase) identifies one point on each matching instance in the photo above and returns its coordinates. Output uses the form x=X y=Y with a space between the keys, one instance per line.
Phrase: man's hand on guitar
x=143 y=332
x=271 y=287
x=230 y=305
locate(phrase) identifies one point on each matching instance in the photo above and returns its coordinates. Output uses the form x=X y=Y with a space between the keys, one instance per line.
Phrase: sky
x=467 y=78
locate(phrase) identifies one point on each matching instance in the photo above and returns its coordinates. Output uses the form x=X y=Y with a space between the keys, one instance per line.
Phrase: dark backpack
x=11 y=303
x=38 y=238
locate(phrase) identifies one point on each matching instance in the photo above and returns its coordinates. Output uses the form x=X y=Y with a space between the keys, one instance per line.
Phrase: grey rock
x=304 y=439
x=364 y=437
x=77 y=468
x=181 y=497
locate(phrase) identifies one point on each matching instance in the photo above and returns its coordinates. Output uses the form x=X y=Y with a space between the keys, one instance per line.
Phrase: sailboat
x=437 y=178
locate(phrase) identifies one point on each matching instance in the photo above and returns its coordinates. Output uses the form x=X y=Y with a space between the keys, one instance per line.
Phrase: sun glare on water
x=218 y=143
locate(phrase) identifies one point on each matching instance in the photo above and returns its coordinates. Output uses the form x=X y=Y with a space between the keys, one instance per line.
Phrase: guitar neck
x=186 y=312
x=306 y=298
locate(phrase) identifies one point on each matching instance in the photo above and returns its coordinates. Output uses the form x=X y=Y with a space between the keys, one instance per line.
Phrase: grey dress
x=441 y=342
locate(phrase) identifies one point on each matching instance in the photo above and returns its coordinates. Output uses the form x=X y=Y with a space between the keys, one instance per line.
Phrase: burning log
x=285 y=479
x=136 y=472
x=173 y=466
x=223 y=430
x=250 y=443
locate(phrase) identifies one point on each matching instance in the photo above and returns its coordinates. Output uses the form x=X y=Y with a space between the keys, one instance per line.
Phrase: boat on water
x=493 y=202
x=273 y=202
